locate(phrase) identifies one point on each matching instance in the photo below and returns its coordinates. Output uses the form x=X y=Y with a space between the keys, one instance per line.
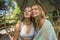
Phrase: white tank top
x=24 y=34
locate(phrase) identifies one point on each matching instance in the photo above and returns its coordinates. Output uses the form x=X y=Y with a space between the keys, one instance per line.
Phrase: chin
x=35 y=15
x=27 y=17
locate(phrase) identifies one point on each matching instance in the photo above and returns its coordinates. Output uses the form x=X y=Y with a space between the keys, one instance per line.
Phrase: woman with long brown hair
x=25 y=29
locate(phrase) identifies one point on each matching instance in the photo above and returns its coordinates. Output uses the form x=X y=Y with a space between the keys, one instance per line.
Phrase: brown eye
x=29 y=11
x=25 y=10
x=35 y=8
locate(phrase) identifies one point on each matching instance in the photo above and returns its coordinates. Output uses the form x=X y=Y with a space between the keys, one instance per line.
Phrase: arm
x=16 y=31
x=50 y=31
x=46 y=32
x=53 y=34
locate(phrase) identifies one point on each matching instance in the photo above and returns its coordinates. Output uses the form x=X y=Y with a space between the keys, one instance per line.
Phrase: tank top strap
x=20 y=27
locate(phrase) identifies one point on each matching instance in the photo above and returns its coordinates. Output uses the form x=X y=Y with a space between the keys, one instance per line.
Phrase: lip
x=34 y=13
x=27 y=14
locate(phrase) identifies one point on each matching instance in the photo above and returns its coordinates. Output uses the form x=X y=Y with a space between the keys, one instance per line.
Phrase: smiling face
x=35 y=11
x=27 y=12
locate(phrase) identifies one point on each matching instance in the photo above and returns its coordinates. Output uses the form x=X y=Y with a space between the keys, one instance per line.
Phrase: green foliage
x=11 y=14
x=0 y=15
x=2 y=2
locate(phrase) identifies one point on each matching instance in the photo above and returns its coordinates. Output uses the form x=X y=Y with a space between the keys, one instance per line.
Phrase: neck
x=27 y=20
x=42 y=20
x=39 y=21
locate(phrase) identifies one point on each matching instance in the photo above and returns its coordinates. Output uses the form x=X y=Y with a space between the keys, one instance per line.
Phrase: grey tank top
x=23 y=34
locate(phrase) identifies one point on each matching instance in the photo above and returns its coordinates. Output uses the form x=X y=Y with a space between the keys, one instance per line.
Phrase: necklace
x=27 y=28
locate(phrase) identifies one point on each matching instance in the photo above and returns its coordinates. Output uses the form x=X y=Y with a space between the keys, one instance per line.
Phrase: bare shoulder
x=18 y=25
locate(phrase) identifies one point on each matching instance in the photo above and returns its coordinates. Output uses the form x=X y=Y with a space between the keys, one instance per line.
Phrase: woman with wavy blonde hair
x=44 y=28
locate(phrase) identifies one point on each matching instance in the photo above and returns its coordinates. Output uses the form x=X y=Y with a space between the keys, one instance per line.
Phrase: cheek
x=38 y=12
x=29 y=13
x=24 y=13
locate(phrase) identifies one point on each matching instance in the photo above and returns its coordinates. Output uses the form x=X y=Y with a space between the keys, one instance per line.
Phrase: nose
x=26 y=11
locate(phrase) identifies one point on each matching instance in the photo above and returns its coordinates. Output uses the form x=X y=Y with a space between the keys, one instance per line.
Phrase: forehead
x=34 y=6
x=27 y=8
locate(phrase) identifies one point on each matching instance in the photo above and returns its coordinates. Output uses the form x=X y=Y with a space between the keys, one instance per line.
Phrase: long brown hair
x=22 y=15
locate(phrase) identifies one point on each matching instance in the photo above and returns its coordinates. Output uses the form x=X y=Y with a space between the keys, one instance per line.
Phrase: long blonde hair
x=42 y=11
x=42 y=14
